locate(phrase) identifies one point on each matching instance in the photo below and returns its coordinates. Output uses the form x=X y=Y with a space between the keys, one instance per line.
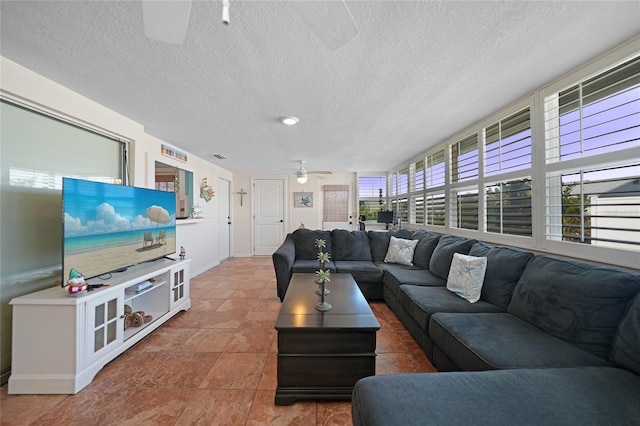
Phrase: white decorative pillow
x=400 y=251
x=466 y=276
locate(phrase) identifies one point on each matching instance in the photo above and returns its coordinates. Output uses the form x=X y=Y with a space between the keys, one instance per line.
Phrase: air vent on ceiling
x=219 y=156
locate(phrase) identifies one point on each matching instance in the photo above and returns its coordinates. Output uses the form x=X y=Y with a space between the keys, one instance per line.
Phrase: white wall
x=293 y=216
x=20 y=83
x=199 y=237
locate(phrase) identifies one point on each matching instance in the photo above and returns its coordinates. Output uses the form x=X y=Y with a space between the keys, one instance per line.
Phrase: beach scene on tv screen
x=109 y=227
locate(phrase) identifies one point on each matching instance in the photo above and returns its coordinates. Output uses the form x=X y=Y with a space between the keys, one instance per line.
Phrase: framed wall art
x=303 y=199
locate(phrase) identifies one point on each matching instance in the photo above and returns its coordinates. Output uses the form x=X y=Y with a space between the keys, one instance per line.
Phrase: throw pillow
x=400 y=251
x=466 y=276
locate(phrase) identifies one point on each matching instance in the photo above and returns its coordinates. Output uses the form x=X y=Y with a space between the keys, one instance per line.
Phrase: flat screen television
x=109 y=227
x=385 y=217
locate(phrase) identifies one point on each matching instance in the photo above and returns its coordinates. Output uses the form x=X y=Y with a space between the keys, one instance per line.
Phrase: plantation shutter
x=592 y=132
x=464 y=159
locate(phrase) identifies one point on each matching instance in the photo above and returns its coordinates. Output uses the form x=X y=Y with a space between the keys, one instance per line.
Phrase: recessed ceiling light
x=290 y=120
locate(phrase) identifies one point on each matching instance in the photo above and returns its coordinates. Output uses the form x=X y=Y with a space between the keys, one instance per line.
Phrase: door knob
x=281 y=220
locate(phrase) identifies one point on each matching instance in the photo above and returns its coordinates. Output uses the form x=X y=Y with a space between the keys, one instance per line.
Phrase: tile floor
x=214 y=364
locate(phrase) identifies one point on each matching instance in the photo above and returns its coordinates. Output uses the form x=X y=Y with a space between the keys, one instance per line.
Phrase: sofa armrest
x=283 y=259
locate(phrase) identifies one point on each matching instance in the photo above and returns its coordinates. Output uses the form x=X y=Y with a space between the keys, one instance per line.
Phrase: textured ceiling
x=417 y=73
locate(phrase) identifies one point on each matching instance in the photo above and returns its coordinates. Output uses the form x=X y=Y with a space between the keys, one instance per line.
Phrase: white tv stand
x=61 y=342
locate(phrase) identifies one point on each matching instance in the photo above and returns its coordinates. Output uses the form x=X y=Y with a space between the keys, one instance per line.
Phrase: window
x=417 y=174
x=403 y=181
x=416 y=199
x=507 y=152
x=592 y=160
x=417 y=217
x=467 y=209
x=598 y=207
x=464 y=168
x=508 y=144
x=464 y=159
x=508 y=208
x=393 y=183
x=435 y=173
x=403 y=211
x=372 y=195
x=595 y=117
x=434 y=200
x=435 y=209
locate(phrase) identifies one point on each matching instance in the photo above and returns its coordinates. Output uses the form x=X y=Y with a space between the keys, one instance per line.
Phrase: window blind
x=467 y=209
x=435 y=172
x=596 y=116
x=508 y=144
x=418 y=210
x=371 y=195
x=417 y=182
x=336 y=203
x=403 y=181
x=592 y=136
x=508 y=207
x=464 y=159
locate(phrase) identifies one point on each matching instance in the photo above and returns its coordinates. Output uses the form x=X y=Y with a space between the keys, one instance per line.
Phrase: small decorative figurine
x=197 y=212
x=183 y=253
x=76 y=283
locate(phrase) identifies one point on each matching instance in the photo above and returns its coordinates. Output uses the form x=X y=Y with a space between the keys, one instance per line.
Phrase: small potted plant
x=322 y=275
x=323 y=278
x=323 y=257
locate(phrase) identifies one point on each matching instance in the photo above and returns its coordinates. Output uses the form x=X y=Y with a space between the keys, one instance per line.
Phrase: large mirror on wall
x=174 y=179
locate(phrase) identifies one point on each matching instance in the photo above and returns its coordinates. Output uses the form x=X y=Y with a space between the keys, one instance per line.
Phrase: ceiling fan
x=302 y=174
x=168 y=20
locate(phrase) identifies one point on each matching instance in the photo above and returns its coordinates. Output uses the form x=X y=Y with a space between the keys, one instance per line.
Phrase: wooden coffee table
x=321 y=355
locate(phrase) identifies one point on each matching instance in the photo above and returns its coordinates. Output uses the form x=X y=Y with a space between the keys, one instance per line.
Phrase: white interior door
x=268 y=216
x=224 y=219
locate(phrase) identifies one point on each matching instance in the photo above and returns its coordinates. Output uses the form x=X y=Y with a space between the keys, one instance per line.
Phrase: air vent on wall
x=219 y=156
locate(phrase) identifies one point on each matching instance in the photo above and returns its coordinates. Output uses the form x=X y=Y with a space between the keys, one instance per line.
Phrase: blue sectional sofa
x=550 y=341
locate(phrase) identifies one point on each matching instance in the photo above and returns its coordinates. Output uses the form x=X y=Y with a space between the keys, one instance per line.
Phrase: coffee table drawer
x=324 y=371
x=326 y=342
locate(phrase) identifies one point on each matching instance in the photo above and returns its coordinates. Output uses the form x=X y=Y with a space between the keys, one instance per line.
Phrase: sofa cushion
x=396 y=275
x=427 y=242
x=350 y=245
x=361 y=270
x=625 y=351
x=379 y=241
x=440 y=261
x=466 y=276
x=586 y=396
x=504 y=268
x=496 y=341
x=578 y=302
x=420 y=302
x=400 y=251
x=310 y=266
x=305 y=240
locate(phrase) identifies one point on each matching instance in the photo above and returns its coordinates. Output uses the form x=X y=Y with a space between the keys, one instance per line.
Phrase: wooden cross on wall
x=242 y=193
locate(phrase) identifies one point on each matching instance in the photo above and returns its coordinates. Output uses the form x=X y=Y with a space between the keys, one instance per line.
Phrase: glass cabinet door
x=179 y=289
x=105 y=325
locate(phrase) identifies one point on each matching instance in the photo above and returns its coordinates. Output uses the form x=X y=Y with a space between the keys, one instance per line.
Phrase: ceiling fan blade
x=166 y=21
x=331 y=20
x=321 y=172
